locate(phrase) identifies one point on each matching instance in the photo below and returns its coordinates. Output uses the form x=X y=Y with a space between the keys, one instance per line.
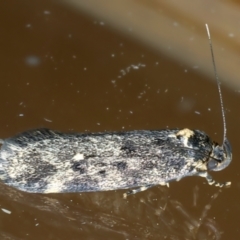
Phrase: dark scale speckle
x=159 y=142
x=102 y=172
x=100 y=164
x=128 y=147
x=149 y=165
x=90 y=156
x=80 y=167
x=199 y=139
x=121 y=166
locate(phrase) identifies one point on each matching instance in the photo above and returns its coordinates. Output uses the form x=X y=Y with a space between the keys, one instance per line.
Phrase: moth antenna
x=219 y=86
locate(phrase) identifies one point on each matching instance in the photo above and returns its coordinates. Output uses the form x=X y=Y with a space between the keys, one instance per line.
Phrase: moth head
x=221 y=157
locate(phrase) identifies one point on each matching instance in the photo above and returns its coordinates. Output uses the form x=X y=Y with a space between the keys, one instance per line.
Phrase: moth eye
x=211 y=164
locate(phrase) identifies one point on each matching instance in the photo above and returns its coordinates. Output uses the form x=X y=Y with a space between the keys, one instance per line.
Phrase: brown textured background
x=73 y=84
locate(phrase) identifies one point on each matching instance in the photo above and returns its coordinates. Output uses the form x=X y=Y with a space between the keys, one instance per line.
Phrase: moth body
x=47 y=161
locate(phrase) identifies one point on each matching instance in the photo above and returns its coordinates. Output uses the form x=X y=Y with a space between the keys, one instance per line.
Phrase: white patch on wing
x=78 y=156
x=185 y=134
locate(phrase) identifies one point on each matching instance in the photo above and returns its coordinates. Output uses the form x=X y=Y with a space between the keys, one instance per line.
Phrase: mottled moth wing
x=48 y=161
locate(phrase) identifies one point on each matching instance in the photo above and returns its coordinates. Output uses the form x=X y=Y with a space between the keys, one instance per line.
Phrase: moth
x=46 y=161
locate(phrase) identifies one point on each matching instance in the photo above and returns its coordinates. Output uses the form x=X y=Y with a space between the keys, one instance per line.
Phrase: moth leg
x=211 y=181
x=143 y=188
x=134 y=191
